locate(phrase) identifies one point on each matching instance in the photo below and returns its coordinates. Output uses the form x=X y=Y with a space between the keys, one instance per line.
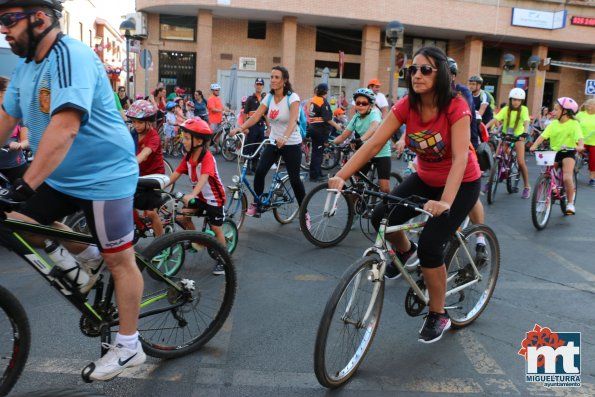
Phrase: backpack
x=302 y=121
x=492 y=100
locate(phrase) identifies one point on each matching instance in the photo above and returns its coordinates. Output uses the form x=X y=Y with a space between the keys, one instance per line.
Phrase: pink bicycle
x=548 y=188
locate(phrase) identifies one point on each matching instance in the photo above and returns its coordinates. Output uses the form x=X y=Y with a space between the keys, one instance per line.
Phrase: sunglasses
x=358 y=103
x=10 y=19
x=426 y=70
x=259 y=83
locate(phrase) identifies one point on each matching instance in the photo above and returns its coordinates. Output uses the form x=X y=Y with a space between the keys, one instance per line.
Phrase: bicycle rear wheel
x=349 y=323
x=541 y=202
x=15 y=340
x=198 y=311
x=328 y=226
x=466 y=305
x=288 y=209
x=306 y=155
x=230 y=231
x=229 y=146
x=330 y=158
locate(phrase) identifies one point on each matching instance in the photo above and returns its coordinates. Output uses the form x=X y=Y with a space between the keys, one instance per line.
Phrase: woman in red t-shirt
x=438 y=131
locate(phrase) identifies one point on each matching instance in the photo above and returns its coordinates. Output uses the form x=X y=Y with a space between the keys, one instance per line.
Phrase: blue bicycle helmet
x=170 y=105
x=368 y=93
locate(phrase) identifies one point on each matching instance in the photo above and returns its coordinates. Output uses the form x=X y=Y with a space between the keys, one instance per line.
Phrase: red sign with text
x=583 y=21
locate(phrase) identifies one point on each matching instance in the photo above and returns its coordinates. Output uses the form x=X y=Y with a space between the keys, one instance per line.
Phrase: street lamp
x=125 y=28
x=394 y=29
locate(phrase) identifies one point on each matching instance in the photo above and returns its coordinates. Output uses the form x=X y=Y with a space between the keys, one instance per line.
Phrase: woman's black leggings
x=292 y=154
x=438 y=231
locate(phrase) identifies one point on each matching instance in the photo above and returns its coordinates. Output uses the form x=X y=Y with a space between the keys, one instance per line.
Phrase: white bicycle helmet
x=215 y=86
x=517 y=93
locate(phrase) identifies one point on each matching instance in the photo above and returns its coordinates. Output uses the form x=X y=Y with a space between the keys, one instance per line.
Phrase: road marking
x=218 y=347
x=310 y=277
x=571 y=266
x=477 y=354
x=543 y=285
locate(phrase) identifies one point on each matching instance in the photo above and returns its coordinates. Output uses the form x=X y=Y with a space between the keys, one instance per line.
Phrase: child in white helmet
x=515 y=120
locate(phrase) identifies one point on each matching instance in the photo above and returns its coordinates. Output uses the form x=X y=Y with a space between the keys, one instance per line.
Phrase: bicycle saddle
x=153 y=181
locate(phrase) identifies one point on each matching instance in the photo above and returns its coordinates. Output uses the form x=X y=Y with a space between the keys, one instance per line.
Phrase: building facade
x=196 y=42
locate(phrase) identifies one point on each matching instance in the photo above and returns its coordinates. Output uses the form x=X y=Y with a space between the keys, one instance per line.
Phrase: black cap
x=322 y=87
x=259 y=80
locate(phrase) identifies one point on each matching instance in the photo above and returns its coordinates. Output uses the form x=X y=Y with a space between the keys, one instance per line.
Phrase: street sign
x=590 y=87
x=134 y=46
x=126 y=63
x=146 y=59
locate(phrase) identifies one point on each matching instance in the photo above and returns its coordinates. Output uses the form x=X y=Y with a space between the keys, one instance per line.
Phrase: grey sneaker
x=435 y=325
x=218 y=269
x=481 y=256
x=392 y=271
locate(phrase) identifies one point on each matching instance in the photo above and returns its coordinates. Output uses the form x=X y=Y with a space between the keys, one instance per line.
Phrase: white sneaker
x=570 y=210
x=93 y=268
x=114 y=362
x=274 y=166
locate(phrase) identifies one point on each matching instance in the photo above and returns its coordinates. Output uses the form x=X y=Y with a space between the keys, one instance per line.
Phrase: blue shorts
x=110 y=221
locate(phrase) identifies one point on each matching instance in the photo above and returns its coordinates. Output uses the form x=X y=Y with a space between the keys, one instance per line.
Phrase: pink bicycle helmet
x=141 y=110
x=568 y=104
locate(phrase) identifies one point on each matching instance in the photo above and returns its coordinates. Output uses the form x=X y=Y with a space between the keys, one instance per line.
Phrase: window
x=176 y=27
x=257 y=30
x=555 y=56
x=524 y=59
x=177 y=69
x=491 y=56
x=350 y=70
x=335 y=40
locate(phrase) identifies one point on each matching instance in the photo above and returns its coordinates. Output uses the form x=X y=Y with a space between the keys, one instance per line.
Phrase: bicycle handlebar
x=415 y=202
x=242 y=137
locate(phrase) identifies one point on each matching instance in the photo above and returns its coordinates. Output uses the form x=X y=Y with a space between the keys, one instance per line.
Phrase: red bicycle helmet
x=198 y=128
x=568 y=103
x=142 y=110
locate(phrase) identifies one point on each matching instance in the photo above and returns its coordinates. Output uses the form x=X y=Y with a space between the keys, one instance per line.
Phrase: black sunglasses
x=10 y=19
x=426 y=70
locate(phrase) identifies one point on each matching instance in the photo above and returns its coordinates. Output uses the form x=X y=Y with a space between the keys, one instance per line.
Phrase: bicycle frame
x=383 y=250
x=265 y=200
x=56 y=278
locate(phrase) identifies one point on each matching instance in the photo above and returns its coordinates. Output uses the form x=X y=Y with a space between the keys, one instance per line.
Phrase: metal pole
x=135 y=73
x=146 y=80
x=127 y=35
x=391 y=79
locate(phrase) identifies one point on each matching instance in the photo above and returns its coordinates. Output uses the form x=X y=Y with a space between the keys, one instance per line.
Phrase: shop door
x=549 y=89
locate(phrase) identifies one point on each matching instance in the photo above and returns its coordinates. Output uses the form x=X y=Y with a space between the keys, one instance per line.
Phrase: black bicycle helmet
x=54 y=4
x=452 y=66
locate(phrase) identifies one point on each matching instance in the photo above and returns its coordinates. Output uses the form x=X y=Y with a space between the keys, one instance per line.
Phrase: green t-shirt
x=563 y=134
x=361 y=125
x=587 y=122
x=117 y=99
x=507 y=125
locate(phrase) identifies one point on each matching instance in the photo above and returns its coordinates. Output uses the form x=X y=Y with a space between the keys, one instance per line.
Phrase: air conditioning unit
x=140 y=19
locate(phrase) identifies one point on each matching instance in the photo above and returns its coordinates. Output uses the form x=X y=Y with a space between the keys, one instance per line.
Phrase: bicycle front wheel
x=194 y=314
x=328 y=225
x=235 y=209
x=541 y=202
x=287 y=206
x=493 y=180
x=168 y=171
x=330 y=158
x=229 y=147
x=349 y=323
x=466 y=305
x=230 y=231
x=514 y=176
x=15 y=340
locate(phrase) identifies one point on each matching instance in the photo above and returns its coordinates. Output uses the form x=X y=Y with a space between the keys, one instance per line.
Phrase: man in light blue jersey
x=84 y=156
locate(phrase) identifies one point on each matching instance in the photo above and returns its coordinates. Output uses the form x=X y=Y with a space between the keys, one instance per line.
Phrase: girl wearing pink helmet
x=566 y=137
x=515 y=120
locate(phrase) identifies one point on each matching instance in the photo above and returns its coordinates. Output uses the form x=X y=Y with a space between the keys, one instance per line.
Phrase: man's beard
x=20 y=47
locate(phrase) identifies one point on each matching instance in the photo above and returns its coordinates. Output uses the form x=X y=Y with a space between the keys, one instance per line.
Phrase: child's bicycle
x=178 y=313
x=352 y=313
x=280 y=198
x=506 y=168
x=548 y=188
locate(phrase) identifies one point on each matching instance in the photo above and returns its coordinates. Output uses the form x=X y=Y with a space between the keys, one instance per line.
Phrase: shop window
x=335 y=40
x=350 y=70
x=524 y=59
x=177 y=69
x=491 y=56
x=177 y=27
x=257 y=30
x=555 y=56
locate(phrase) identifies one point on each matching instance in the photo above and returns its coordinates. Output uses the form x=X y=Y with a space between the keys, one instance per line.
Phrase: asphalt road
x=266 y=346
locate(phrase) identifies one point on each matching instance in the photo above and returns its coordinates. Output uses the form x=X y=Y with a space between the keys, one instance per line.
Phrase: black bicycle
x=179 y=312
x=15 y=340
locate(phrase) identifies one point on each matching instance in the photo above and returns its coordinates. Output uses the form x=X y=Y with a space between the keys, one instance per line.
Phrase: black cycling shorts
x=214 y=214
x=564 y=154
x=383 y=165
